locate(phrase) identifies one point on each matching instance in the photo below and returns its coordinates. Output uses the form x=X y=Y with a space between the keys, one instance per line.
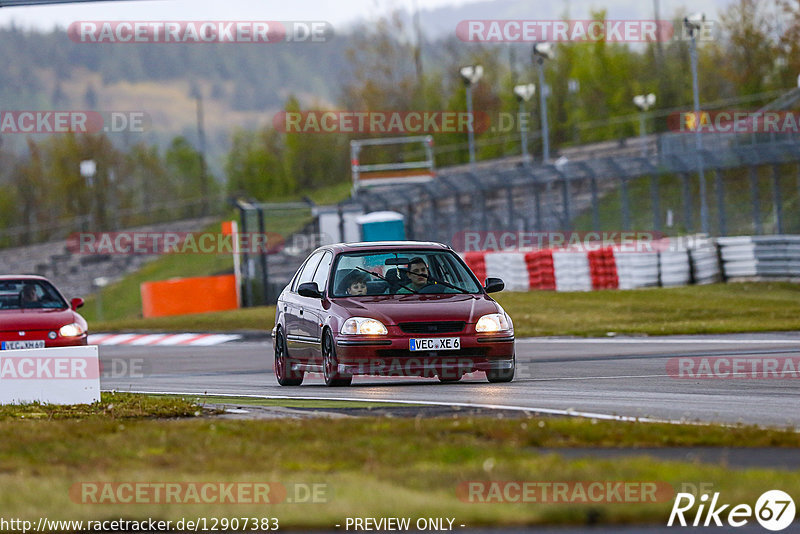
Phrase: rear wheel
x=330 y=364
x=502 y=375
x=283 y=370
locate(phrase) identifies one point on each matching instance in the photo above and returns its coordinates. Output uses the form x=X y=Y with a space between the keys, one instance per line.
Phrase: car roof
x=22 y=277
x=382 y=246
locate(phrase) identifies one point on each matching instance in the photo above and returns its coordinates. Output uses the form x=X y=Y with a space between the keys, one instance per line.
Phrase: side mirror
x=493 y=285
x=309 y=289
x=76 y=303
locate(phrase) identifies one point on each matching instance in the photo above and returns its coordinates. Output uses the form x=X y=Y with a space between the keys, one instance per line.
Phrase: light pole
x=88 y=169
x=542 y=51
x=643 y=102
x=523 y=94
x=693 y=24
x=201 y=138
x=471 y=74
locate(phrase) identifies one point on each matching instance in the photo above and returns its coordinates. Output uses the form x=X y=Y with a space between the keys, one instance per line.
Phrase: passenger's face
x=357 y=288
x=418 y=274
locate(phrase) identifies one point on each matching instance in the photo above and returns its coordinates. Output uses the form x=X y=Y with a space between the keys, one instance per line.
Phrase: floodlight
x=525 y=92
x=471 y=74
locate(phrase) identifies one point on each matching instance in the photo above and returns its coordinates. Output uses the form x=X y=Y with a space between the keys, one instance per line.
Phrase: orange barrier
x=188 y=295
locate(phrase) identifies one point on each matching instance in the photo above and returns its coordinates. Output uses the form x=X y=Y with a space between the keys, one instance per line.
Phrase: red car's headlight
x=493 y=322
x=363 y=326
x=71 y=330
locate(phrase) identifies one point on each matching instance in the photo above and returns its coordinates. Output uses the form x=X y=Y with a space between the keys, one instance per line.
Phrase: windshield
x=401 y=272
x=29 y=294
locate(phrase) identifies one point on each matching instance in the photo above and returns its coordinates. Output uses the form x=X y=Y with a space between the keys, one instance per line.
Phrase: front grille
x=437 y=327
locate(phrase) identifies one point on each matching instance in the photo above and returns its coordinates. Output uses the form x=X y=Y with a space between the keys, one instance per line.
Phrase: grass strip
x=112 y=406
x=297 y=403
x=365 y=467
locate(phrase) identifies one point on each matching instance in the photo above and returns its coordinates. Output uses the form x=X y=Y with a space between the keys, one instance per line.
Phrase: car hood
x=393 y=309
x=38 y=319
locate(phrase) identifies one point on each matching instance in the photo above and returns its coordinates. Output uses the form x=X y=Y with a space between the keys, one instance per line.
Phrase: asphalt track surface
x=606 y=377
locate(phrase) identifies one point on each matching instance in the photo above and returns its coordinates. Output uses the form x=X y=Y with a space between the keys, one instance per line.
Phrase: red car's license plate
x=435 y=343
x=20 y=345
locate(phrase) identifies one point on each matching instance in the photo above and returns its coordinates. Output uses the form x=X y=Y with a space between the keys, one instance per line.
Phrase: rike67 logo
x=774 y=510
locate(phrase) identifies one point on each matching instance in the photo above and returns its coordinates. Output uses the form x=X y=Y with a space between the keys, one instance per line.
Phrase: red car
x=35 y=315
x=393 y=309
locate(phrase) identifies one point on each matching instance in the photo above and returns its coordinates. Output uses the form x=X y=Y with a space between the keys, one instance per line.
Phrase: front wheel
x=330 y=364
x=283 y=370
x=502 y=375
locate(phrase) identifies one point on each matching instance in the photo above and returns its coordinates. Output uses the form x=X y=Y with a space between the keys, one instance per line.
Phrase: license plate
x=20 y=345
x=435 y=343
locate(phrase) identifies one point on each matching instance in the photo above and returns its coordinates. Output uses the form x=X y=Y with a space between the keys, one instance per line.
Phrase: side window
x=321 y=276
x=308 y=270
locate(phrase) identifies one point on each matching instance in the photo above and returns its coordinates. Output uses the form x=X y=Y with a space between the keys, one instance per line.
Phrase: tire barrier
x=541 y=272
x=510 y=266
x=603 y=269
x=667 y=263
x=636 y=269
x=476 y=261
x=572 y=271
x=773 y=256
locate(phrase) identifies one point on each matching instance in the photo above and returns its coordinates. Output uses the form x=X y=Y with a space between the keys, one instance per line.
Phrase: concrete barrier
x=63 y=375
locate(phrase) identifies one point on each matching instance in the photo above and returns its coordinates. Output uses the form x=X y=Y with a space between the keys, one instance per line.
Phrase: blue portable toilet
x=382 y=226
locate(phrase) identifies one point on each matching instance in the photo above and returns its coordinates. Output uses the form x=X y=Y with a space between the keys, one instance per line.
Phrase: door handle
x=285 y=308
x=301 y=311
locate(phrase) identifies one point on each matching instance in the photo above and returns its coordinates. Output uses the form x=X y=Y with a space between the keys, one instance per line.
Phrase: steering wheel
x=431 y=288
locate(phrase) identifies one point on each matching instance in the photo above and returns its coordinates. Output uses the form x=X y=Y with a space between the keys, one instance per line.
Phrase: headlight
x=363 y=325
x=71 y=330
x=493 y=322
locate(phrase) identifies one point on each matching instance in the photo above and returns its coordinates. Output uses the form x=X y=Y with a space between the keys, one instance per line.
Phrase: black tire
x=449 y=375
x=502 y=375
x=330 y=364
x=447 y=379
x=282 y=367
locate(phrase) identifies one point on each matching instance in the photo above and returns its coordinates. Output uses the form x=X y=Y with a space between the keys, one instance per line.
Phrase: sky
x=337 y=12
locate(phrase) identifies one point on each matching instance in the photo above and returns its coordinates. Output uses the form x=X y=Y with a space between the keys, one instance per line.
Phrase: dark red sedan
x=392 y=309
x=35 y=315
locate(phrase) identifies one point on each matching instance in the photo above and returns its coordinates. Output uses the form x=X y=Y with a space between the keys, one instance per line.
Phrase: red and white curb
x=193 y=340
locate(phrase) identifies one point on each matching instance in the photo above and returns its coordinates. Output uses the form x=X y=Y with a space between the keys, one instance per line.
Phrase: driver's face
x=418 y=274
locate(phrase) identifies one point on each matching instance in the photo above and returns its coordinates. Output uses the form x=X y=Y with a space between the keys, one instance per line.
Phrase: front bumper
x=59 y=341
x=391 y=355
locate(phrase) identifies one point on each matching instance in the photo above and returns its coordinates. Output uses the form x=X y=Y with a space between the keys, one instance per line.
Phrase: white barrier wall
x=636 y=269
x=572 y=271
x=674 y=267
x=763 y=256
x=511 y=267
x=68 y=375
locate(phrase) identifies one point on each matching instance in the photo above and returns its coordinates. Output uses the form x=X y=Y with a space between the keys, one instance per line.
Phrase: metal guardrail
x=551 y=196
